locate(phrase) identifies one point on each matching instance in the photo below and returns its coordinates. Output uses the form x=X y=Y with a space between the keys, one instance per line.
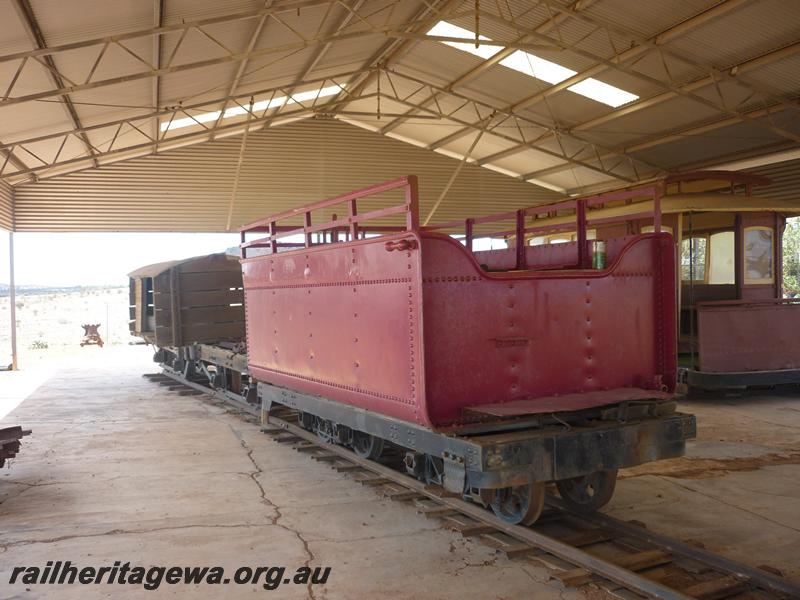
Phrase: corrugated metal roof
x=648 y=18
x=686 y=112
x=785 y=177
x=190 y=189
x=752 y=30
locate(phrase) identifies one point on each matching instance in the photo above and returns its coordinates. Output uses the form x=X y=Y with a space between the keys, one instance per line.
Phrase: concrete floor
x=118 y=468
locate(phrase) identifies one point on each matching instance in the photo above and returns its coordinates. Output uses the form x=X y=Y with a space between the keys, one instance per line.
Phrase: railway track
x=624 y=559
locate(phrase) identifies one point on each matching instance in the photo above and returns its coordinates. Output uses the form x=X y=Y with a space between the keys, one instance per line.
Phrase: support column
x=13 y=298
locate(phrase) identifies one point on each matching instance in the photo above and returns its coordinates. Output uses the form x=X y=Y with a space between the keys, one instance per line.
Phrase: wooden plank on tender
x=717 y=588
x=198 y=282
x=212 y=298
x=211 y=314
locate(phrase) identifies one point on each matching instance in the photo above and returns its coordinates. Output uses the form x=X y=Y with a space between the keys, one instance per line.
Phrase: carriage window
x=651 y=229
x=560 y=238
x=758 y=255
x=721 y=268
x=693 y=259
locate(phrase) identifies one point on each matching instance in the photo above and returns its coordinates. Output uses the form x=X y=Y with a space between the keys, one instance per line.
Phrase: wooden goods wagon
x=195 y=300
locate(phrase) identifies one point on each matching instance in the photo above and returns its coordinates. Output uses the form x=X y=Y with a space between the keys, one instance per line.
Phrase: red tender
x=408 y=325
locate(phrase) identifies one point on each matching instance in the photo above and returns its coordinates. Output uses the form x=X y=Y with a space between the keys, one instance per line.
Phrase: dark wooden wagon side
x=196 y=300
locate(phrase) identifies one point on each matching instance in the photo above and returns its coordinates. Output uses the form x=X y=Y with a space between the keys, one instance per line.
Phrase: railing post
x=352 y=212
x=469 y=225
x=657 y=210
x=243 y=251
x=580 y=214
x=273 y=231
x=520 y=239
x=412 y=202
x=307 y=233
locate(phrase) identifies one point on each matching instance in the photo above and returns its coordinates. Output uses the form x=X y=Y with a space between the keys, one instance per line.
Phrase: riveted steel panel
x=343 y=321
x=493 y=338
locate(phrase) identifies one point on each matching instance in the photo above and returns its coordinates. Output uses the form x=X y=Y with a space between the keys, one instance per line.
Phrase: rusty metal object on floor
x=10 y=442
x=91 y=337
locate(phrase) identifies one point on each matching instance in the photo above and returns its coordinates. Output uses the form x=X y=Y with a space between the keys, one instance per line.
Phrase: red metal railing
x=581 y=208
x=351 y=225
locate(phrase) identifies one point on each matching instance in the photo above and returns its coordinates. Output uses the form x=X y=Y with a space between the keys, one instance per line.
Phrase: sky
x=72 y=259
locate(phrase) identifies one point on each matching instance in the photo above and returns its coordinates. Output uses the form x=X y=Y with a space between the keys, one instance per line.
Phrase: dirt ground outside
x=49 y=320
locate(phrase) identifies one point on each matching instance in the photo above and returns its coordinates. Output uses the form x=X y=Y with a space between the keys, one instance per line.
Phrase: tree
x=791 y=257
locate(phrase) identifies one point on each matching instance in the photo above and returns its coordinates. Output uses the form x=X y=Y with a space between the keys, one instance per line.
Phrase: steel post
x=13 y=300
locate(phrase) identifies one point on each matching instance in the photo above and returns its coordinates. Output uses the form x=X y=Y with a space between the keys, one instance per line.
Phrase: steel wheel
x=519 y=505
x=305 y=420
x=367 y=446
x=324 y=430
x=588 y=493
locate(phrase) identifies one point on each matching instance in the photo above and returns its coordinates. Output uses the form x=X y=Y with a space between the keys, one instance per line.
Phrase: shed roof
x=566 y=95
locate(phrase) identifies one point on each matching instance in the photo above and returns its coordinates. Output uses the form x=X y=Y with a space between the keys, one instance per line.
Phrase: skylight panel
x=534 y=66
x=259 y=106
x=603 y=92
x=445 y=29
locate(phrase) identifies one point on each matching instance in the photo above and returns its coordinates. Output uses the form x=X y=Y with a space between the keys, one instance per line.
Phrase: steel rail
x=720 y=563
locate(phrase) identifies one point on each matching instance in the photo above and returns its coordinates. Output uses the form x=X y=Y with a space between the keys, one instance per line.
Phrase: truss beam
x=138 y=125
x=482 y=68
x=28 y=20
x=393 y=50
x=236 y=57
x=673 y=90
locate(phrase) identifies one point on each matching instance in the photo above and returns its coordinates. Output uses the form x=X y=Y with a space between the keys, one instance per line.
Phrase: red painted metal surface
x=503 y=337
x=741 y=335
x=409 y=325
